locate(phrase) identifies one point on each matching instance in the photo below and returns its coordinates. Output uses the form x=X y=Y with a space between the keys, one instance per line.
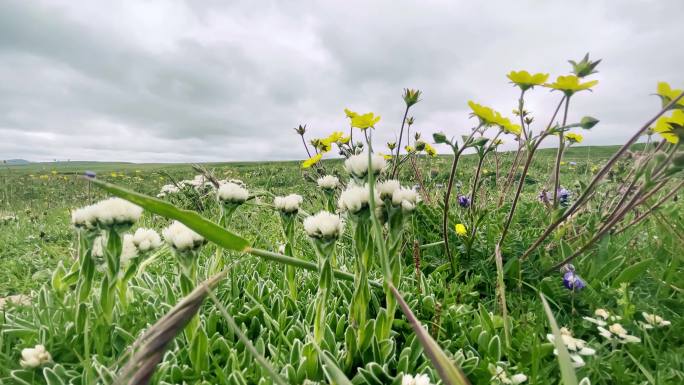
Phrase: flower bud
x=588 y=122
x=585 y=67
x=411 y=96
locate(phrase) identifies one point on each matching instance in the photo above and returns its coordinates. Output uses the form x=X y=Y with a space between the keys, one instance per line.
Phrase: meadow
x=395 y=266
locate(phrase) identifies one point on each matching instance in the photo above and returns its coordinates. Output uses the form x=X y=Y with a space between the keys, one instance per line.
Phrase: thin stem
x=305 y=146
x=559 y=156
x=581 y=200
x=401 y=133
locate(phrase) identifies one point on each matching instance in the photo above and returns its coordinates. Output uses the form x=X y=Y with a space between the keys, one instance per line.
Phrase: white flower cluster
x=34 y=357
x=617 y=332
x=576 y=347
x=355 y=198
x=232 y=193
x=602 y=316
x=106 y=213
x=328 y=182
x=419 y=379
x=167 y=189
x=323 y=225
x=387 y=188
x=128 y=249
x=653 y=321
x=288 y=204
x=182 y=238
x=357 y=165
x=146 y=239
x=406 y=198
x=500 y=376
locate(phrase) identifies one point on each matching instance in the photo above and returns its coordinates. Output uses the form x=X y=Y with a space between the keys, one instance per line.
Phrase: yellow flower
x=486 y=115
x=574 y=138
x=667 y=94
x=430 y=150
x=311 y=161
x=335 y=137
x=364 y=121
x=113 y=175
x=54 y=172
x=460 y=229
x=525 y=80
x=670 y=128
x=350 y=114
x=409 y=149
x=562 y=163
x=43 y=177
x=387 y=157
x=507 y=125
x=570 y=84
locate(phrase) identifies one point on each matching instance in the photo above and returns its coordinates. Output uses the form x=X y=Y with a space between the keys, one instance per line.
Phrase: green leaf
x=51 y=378
x=567 y=370
x=447 y=370
x=331 y=370
x=632 y=272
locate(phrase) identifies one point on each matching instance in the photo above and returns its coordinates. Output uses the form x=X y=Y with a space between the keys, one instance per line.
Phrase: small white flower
x=182 y=238
x=419 y=379
x=34 y=357
x=281 y=248
x=355 y=198
x=387 y=188
x=146 y=239
x=232 y=193
x=323 y=225
x=357 y=165
x=617 y=331
x=84 y=217
x=406 y=198
x=576 y=347
x=518 y=378
x=288 y=204
x=167 y=189
x=128 y=249
x=107 y=213
x=603 y=313
x=328 y=182
x=501 y=376
x=653 y=321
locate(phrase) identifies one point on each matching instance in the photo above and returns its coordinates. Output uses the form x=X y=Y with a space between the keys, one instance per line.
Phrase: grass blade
x=332 y=371
x=448 y=371
x=568 y=375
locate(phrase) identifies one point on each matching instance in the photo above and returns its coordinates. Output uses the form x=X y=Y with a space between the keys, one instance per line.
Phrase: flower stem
x=559 y=156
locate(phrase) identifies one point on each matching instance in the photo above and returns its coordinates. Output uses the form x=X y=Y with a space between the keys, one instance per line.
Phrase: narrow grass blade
x=261 y=360
x=568 y=375
x=448 y=371
x=501 y=289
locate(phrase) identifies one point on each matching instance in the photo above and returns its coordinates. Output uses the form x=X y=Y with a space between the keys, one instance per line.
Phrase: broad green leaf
x=447 y=370
x=567 y=370
x=630 y=273
x=332 y=371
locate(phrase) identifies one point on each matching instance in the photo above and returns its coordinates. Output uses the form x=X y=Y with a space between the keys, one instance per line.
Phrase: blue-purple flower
x=571 y=280
x=563 y=196
x=464 y=201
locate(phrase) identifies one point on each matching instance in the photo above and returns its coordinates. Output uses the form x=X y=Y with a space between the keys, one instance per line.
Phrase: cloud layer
x=219 y=81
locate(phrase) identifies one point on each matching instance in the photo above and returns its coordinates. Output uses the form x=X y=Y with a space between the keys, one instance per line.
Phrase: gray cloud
x=192 y=81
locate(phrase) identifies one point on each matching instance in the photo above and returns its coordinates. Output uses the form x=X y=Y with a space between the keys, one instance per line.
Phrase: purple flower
x=563 y=196
x=572 y=281
x=545 y=197
x=90 y=174
x=463 y=201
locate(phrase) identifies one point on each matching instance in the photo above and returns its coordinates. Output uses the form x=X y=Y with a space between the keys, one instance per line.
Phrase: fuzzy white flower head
x=288 y=204
x=34 y=357
x=84 y=217
x=419 y=379
x=116 y=211
x=232 y=193
x=355 y=198
x=387 y=188
x=328 y=182
x=182 y=238
x=618 y=332
x=167 y=189
x=501 y=376
x=98 y=247
x=406 y=198
x=357 y=165
x=146 y=239
x=603 y=313
x=323 y=225
x=128 y=249
x=576 y=347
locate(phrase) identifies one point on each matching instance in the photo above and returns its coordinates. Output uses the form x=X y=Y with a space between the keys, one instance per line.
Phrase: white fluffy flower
x=146 y=239
x=182 y=238
x=501 y=376
x=98 y=247
x=602 y=315
x=406 y=198
x=107 y=213
x=618 y=332
x=288 y=204
x=328 y=182
x=419 y=379
x=232 y=193
x=355 y=198
x=323 y=225
x=357 y=165
x=128 y=249
x=653 y=320
x=167 y=189
x=34 y=357
x=387 y=188
x=576 y=347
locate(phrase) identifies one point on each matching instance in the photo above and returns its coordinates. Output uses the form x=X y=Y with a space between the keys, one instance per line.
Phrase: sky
x=190 y=81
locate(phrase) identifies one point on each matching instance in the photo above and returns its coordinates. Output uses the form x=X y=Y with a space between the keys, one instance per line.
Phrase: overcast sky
x=177 y=81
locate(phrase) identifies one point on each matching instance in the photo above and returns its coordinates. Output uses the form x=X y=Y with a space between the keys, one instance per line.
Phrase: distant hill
x=15 y=161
